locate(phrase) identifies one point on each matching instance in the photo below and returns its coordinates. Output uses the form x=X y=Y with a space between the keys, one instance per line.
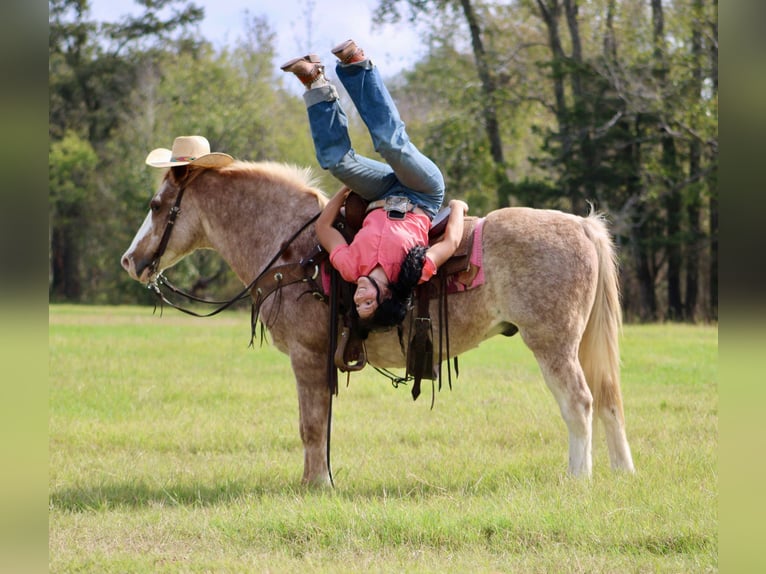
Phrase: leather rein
x=263 y=284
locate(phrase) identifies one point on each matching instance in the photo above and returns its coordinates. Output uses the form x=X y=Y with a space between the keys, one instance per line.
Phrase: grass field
x=175 y=448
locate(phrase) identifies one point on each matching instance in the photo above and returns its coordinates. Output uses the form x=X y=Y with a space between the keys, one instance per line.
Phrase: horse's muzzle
x=138 y=270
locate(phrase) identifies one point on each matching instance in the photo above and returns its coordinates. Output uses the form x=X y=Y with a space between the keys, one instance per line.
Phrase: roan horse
x=551 y=275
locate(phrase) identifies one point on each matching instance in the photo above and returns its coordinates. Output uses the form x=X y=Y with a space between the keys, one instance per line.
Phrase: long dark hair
x=392 y=311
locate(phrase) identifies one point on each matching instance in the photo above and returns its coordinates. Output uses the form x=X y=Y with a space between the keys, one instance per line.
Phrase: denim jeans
x=406 y=170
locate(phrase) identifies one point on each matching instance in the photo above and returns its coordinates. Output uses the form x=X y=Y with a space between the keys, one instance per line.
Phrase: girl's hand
x=458 y=204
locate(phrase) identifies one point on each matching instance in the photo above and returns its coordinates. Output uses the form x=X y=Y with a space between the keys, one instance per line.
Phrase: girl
x=389 y=255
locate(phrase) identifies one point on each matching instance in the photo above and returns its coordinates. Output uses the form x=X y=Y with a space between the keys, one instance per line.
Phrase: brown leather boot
x=348 y=52
x=308 y=69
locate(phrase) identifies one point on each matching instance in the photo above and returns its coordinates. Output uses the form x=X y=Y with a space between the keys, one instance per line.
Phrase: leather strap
x=420 y=352
x=188 y=177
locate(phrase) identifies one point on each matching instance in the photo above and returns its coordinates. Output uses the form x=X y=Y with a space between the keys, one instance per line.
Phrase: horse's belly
x=383 y=350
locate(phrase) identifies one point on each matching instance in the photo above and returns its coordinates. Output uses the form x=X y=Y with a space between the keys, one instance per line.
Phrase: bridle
x=171 y=220
x=285 y=275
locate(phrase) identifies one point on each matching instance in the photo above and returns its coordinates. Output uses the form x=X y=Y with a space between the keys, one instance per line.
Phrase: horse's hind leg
x=565 y=378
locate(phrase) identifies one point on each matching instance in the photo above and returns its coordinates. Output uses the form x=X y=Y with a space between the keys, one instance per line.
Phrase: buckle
x=397 y=206
x=398 y=203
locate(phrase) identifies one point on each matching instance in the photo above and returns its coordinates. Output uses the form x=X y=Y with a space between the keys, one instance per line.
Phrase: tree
x=93 y=66
x=89 y=80
x=228 y=95
x=71 y=164
x=447 y=124
x=388 y=11
x=546 y=103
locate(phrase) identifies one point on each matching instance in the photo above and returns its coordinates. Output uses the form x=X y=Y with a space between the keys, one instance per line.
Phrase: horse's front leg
x=314 y=404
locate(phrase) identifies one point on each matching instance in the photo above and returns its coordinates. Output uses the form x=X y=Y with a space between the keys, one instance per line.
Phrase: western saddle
x=347 y=348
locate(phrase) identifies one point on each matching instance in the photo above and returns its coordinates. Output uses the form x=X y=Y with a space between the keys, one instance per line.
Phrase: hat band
x=184 y=158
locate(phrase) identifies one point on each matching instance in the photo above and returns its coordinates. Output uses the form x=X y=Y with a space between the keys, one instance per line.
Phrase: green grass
x=175 y=448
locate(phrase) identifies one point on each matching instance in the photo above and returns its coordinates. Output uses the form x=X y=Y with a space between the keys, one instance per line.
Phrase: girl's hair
x=392 y=311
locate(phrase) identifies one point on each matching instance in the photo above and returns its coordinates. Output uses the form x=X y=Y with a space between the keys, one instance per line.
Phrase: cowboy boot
x=348 y=52
x=308 y=69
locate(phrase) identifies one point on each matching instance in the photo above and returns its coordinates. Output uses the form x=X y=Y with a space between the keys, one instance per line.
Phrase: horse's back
x=543 y=232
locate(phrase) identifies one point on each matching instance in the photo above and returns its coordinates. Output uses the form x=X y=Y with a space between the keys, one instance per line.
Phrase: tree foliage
x=545 y=103
x=620 y=99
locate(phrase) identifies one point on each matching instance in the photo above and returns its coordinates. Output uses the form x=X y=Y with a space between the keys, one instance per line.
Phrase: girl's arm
x=445 y=248
x=329 y=237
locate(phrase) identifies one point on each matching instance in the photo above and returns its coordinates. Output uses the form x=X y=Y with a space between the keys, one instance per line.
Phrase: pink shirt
x=385 y=242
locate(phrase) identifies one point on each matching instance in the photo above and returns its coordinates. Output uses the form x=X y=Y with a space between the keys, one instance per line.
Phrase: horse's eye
x=155 y=205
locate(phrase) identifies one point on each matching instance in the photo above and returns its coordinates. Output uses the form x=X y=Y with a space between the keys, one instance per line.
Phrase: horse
x=549 y=276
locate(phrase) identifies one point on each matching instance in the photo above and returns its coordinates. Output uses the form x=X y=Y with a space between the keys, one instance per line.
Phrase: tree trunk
x=489 y=87
x=673 y=231
x=642 y=255
x=712 y=180
x=694 y=202
x=692 y=255
x=672 y=201
x=65 y=283
x=587 y=180
x=550 y=10
x=713 y=223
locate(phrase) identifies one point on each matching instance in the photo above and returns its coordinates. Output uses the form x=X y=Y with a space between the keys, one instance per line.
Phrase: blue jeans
x=406 y=172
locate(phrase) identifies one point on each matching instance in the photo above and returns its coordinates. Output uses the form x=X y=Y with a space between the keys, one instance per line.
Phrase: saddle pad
x=473 y=276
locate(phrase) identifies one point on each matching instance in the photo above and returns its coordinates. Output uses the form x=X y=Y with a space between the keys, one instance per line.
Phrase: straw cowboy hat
x=188 y=150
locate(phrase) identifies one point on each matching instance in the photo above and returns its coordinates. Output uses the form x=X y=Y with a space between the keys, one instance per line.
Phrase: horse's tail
x=599 y=349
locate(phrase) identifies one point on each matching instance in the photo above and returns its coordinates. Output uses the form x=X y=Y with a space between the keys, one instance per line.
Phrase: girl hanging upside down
x=389 y=255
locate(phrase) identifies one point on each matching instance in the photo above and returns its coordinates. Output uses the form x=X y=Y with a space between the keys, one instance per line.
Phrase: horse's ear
x=178 y=172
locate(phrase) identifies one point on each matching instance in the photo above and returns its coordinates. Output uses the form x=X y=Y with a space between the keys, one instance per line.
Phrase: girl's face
x=368 y=296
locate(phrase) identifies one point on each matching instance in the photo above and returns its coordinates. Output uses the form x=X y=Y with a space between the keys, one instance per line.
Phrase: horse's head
x=165 y=236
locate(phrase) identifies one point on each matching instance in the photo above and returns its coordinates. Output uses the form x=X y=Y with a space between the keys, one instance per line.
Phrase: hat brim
x=162 y=157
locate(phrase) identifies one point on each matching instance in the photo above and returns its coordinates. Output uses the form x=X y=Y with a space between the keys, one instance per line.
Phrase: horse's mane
x=300 y=177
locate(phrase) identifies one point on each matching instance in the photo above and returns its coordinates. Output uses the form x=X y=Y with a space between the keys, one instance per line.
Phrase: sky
x=392 y=47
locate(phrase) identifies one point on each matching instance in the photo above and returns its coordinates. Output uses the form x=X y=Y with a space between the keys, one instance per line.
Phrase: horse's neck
x=249 y=222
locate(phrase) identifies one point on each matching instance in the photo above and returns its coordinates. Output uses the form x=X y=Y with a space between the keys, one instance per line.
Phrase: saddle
x=420 y=356
x=347 y=348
